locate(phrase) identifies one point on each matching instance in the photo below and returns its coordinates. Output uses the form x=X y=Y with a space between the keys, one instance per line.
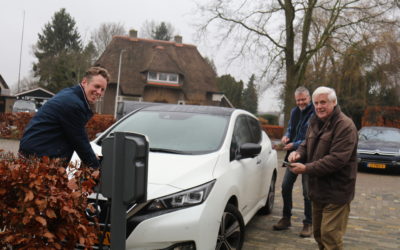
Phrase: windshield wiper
x=170 y=151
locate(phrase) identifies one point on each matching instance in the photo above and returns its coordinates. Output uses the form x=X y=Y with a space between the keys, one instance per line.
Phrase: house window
x=153 y=76
x=162 y=77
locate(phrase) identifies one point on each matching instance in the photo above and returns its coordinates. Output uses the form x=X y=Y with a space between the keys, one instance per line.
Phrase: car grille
x=378 y=158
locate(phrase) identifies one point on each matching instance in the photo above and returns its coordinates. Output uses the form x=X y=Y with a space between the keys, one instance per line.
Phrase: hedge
x=41 y=207
x=273 y=131
x=12 y=125
x=381 y=116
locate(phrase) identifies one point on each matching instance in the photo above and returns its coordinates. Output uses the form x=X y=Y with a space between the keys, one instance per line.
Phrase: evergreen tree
x=61 y=60
x=162 y=32
x=157 y=31
x=210 y=62
x=231 y=88
x=250 y=97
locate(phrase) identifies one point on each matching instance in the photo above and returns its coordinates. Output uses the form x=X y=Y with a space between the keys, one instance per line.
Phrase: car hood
x=378 y=147
x=171 y=173
x=179 y=172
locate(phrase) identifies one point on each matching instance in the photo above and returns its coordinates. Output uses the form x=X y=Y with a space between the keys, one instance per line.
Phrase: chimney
x=178 y=39
x=133 y=33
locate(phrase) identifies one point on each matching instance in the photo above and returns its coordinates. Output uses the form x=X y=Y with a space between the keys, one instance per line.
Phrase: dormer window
x=159 y=77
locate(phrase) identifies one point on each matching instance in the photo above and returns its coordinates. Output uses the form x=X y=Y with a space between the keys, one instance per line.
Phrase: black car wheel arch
x=231 y=230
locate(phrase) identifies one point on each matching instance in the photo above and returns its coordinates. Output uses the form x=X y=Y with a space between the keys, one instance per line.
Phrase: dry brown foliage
x=381 y=116
x=12 y=125
x=41 y=208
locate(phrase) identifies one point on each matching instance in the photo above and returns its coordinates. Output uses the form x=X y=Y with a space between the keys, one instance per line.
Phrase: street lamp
x=119 y=76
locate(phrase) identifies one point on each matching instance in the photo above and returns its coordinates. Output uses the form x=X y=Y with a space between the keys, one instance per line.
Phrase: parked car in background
x=379 y=148
x=24 y=106
x=211 y=169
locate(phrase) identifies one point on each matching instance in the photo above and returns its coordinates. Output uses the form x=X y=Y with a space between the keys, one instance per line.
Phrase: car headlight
x=187 y=198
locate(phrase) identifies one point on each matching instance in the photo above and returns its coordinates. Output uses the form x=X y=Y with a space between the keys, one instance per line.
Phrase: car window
x=246 y=130
x=379 y=134
x=242 y=131
x=185 y=132
x=255 y=129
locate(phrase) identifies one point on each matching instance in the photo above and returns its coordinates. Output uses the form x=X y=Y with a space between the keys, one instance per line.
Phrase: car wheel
x=231 y=229
x=269 y=205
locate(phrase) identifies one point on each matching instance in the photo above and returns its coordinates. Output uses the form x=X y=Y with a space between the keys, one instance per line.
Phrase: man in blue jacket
x=58 y=128
x=295 y=135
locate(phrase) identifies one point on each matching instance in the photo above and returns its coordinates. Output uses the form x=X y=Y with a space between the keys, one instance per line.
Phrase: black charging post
x=123 y=178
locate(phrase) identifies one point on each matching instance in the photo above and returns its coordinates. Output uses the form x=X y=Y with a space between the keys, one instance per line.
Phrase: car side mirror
x=249 y=150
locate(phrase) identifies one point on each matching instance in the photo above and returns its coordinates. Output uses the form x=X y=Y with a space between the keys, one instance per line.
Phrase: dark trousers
x=287 y=188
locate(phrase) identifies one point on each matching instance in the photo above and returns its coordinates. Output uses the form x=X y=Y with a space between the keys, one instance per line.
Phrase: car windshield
x=379 y=134
x=177 y=132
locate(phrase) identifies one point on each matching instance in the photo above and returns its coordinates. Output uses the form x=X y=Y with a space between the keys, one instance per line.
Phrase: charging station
x=124 y=171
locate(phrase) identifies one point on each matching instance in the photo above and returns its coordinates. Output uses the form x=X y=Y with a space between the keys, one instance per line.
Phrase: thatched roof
x=4 y=89
x=3 y=84
x=143 y=55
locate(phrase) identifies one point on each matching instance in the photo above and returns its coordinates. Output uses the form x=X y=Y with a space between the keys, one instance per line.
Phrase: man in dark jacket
x=330 y=153
x=58 y=128
x=296 y=131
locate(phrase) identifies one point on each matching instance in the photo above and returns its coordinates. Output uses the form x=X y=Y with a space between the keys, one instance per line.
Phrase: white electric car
x=210 y=170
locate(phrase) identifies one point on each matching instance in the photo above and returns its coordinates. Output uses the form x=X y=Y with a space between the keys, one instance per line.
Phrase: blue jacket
x=58 y=128
x=298 y=124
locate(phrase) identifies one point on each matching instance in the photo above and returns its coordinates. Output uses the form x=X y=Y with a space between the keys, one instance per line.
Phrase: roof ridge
x=134 y=39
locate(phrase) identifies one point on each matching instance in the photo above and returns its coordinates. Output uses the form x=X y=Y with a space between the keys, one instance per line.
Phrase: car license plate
x=376 y=165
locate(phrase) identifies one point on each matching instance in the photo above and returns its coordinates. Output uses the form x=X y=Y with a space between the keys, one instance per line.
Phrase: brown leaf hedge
x=12 y=125
x=381 y=116
x=41 y=207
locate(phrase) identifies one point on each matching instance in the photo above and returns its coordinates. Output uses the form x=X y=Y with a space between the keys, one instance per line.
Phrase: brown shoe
x=307 y=230
x=282 y=224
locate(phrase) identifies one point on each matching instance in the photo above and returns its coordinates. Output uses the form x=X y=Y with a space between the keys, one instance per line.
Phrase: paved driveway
x=9 y=145
x=374 y=221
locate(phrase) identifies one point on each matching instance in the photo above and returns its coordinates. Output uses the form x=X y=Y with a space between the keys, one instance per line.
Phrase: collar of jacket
x=315 y=120
x=309 y=107
x=84 y=96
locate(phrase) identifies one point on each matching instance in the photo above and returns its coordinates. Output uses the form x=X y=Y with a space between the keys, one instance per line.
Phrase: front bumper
x=196 y=224
x=378 y=162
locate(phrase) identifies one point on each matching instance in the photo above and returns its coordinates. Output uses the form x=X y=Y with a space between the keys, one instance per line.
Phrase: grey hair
x=301 y=89
x=327 y=91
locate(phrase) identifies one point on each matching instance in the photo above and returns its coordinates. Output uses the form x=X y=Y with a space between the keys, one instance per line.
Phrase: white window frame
x=158 y=76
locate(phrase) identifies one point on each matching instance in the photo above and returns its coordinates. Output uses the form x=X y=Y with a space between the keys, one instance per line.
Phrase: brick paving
x=374 y=221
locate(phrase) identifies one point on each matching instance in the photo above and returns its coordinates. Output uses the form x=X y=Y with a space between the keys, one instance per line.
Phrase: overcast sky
x=89 y=14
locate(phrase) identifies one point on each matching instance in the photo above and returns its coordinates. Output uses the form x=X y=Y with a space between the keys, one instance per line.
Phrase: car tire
x=269 y=204
x=231 y=230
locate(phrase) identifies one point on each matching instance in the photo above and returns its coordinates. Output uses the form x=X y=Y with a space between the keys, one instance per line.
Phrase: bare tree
x=279 y=32
x=28 y=83
x=103 y=35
